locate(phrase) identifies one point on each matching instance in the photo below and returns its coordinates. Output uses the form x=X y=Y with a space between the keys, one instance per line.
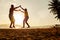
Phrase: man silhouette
x=26 y=17
x=11 y=11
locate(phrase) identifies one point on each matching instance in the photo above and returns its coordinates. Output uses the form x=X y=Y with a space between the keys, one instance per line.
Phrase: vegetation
x=55 y=8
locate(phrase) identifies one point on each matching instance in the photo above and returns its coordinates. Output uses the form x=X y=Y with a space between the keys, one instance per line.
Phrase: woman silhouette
x=26 y=17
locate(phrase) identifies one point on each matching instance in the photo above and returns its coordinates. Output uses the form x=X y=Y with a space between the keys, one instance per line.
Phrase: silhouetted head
x=25 y=9
x=12 y=6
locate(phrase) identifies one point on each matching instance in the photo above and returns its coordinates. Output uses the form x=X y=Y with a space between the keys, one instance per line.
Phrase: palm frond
x=55 y=8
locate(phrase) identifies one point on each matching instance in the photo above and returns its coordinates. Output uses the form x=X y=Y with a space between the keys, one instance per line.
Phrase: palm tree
x=55 y=8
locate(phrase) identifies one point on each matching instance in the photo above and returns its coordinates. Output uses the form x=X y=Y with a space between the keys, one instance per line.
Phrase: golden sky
x=37 y=9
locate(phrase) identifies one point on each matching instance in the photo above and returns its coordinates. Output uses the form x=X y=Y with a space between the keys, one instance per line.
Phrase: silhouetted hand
x=20 y=6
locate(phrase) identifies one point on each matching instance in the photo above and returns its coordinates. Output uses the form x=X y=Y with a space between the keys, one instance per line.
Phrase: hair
x=12 y=5
x=25 y=9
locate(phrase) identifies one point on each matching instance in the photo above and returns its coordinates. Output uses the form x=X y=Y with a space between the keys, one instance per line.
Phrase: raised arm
x=22 y=8
x=16 y=10
x=16 y=7
x=21 y=11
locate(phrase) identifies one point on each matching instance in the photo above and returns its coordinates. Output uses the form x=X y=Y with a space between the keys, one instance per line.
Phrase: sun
x=18 y=18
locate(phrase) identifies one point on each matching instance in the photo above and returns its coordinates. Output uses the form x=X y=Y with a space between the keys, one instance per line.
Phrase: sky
x=39 y=15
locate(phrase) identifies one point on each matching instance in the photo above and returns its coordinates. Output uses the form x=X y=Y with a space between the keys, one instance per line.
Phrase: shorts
x=26 y=19
x=11 y=18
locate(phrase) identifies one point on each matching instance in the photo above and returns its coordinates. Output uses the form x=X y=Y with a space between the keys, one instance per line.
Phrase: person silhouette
x=11 y=11
x=26 y=17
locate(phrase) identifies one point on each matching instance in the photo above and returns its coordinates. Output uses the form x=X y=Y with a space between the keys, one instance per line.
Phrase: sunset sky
x=37 y=9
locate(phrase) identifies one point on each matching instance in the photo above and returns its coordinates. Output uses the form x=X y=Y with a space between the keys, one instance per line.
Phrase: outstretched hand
x=20 y=6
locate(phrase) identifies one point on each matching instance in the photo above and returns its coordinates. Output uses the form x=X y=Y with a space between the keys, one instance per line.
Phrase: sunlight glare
x=18 y=18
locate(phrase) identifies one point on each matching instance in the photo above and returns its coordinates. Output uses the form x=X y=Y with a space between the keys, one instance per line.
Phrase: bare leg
x=11 y=25
x=28 y=25
x=27 y=22
x=14 y=24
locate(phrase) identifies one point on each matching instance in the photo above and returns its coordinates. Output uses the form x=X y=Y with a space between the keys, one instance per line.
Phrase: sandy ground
x=30 y=34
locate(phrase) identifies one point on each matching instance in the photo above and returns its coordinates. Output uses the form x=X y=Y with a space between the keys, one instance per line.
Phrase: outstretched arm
x=16 y=7
x=21 y=7
x=16 y=10
x=21 y=11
